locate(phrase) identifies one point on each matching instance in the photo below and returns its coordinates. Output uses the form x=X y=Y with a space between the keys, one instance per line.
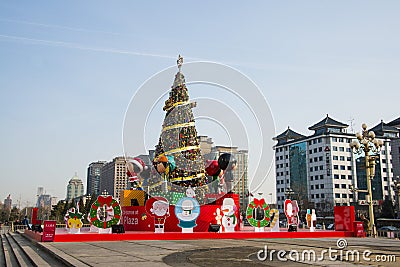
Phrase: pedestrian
x=25 y=222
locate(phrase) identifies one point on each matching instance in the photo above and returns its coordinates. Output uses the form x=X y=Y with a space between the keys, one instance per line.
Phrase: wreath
x=258 y=203
x=100 y=202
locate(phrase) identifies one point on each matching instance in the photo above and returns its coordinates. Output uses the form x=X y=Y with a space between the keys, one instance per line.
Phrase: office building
x=320 y=169
x=93 y=177
x=75 y=188
x=113 y=177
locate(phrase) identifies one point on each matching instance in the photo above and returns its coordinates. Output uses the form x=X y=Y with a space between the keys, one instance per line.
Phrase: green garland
x=249 y=213
x=107 y=224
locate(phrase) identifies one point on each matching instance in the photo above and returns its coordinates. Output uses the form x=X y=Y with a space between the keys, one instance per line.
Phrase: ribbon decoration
x=259 y=202
x=102 y=200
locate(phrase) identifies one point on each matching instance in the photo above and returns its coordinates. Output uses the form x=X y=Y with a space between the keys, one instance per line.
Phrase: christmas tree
x=177 y=156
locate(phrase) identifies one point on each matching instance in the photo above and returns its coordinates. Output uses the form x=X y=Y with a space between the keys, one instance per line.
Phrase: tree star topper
x=179 y=62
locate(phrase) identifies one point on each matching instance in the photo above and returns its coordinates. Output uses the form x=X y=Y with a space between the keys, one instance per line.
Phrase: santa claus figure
x=158 y=207
x=133 y=169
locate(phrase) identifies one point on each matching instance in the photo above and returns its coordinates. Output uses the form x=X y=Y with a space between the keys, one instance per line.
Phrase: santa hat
x=149 y=203
x=139 y=163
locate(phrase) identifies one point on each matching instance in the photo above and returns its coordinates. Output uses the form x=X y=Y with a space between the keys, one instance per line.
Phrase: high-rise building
x=113 y=177
x=8 y=203
x=320 y=169
x=75 y=188
x=93 y=177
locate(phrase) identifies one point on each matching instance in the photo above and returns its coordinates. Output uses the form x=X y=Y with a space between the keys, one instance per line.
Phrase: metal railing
x=389 y=234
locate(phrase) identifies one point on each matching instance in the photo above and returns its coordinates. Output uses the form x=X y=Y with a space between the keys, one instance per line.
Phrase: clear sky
x=68 y=70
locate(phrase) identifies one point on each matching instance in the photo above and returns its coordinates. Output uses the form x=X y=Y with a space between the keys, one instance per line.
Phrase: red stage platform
x=85 y=236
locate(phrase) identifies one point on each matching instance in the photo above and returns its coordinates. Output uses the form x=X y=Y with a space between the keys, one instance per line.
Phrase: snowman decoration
x=187 y=210
x=229 y=220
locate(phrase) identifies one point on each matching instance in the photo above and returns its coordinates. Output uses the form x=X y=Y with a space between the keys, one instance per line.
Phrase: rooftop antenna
x=351 y=121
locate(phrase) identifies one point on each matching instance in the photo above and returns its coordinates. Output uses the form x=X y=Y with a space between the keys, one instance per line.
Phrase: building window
x=315 y=159
x=315 y=150
x=384 y=170
x=342 y=158
x=337 y=195
x=342 y=176
x=311 y=178
x=344 y=195
x=336 y=167
x=348 y=158
x=341 y=148
x=317 y=186
x=386 y=187
x=336 y=176
x=316 y=177
x=334 y=148
x=322 y=186
x=336 y=185
x=310 y=160
x=316 y=168
x=320 y=140
x=385 y=179
x=310 y=151
x=321 y=158
x=320 y=149
x=321 y=177
x=334 y=139
x=311 y=169
x=342 y=167
x=348 y=149
x=350 y=177
x=349 y=168
x=322 y=195
x=312 y=196
x=335 y=158
x=312 y=187
x=341 y=140
x=344 y=186
x=351 y=196
x=317 y=196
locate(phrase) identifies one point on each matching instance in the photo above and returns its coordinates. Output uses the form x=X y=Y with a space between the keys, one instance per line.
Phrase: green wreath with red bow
x=258 y=203
x=99 y=203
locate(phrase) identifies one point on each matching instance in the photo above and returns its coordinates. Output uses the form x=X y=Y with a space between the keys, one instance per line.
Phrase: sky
x=69 y=69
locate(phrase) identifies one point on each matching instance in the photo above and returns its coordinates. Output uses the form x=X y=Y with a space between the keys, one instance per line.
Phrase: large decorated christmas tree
x=178 y=158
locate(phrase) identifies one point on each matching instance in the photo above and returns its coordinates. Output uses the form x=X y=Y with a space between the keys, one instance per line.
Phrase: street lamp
x=367 y=144
x=396 y=188
x=289 y=192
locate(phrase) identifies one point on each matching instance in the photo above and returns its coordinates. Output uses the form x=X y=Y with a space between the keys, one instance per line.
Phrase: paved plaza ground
x=226 y=252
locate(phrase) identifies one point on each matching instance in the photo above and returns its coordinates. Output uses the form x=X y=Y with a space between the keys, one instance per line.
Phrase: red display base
x=85 y=236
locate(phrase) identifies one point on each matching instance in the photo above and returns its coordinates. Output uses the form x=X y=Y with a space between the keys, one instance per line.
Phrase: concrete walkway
x=225 y=252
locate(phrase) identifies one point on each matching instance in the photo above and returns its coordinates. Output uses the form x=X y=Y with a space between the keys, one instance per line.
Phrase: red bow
x=259 y=202
x=104 y=200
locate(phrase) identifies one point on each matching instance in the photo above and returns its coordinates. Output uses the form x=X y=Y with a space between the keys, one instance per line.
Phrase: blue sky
x=69 y=69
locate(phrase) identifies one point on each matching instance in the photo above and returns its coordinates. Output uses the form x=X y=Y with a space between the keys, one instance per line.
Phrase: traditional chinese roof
x=287 y=136
x=395 y=123
x=382 y=128
x=328 y=122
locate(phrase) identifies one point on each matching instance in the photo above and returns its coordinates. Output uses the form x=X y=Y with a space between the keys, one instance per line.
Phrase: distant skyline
x=69 y=69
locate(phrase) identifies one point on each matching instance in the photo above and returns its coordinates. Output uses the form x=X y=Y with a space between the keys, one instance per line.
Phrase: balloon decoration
x=134 y=168
x=105 y=212
x=258 y=221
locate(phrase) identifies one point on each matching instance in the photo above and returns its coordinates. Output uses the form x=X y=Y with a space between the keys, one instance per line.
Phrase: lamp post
x=289 y=192
x=369 y=146
x=396 y=188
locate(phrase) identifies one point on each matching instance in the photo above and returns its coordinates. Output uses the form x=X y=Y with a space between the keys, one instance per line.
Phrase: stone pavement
x=225 y=252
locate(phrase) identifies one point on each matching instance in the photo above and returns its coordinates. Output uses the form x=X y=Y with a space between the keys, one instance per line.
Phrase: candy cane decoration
x=275 y=213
